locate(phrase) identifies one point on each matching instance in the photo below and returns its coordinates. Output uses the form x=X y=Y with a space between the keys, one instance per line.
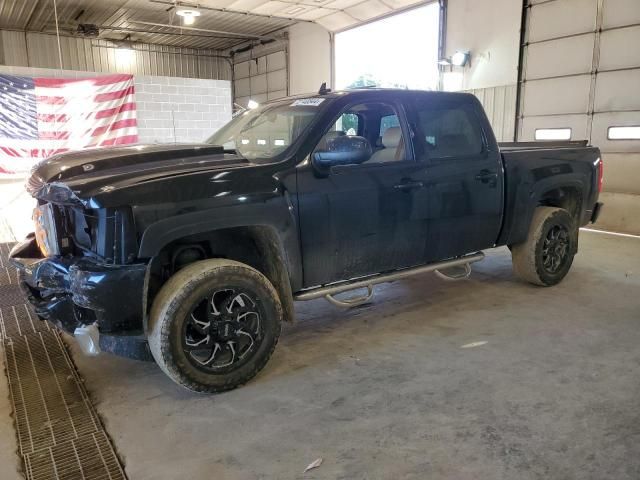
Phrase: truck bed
x=532 y=169
x=541 y=145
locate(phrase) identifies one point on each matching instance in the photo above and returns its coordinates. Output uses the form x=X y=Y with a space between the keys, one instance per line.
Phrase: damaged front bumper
x=100 y=303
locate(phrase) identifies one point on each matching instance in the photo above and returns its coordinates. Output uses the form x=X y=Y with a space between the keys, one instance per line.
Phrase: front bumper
x=76 y=292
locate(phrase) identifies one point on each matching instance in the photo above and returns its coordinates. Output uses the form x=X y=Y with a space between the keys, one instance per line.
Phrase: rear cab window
x=446 y=130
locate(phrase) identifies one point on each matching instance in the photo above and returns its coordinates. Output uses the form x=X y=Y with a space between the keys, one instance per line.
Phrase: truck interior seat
x=392 y=143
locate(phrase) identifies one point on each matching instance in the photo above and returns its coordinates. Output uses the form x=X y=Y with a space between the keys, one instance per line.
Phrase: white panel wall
x=309 y=58
x=582 y=71
x=490 y=30
x=84 y=54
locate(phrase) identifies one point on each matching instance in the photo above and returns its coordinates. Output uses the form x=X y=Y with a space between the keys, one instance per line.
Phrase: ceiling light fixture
x=294 y=10
x=458 y=59
x=188 y=16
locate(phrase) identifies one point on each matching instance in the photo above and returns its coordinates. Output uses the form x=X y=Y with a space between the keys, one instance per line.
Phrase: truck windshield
x=265 y=133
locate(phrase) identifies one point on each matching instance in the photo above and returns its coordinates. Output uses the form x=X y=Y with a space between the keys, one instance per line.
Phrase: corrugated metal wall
x=500 y=105
x=41 y=51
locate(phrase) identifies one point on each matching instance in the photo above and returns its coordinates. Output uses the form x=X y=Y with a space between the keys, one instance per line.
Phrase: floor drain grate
x=19 y=320
x=59 y=434
x=81 y=458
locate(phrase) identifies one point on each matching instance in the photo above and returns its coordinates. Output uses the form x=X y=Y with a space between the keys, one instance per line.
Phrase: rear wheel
x=214 y=325
x=546 y=256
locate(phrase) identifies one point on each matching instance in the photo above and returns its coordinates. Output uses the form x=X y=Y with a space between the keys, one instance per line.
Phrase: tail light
x=600 y=174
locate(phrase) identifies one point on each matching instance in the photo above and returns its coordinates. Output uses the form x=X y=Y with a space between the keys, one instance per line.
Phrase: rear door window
x=447 y=131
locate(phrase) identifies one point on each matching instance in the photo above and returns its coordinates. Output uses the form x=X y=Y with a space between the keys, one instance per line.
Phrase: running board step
x=329 y=291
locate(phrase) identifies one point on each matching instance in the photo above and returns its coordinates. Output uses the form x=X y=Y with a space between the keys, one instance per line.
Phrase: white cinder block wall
x=180 y=110
x=169 y=109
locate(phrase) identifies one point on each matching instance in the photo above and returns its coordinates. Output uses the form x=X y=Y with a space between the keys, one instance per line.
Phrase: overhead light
x=252 y=104
x=124 y=56
x=460 y=59
x=294 y=10
x=188 y=15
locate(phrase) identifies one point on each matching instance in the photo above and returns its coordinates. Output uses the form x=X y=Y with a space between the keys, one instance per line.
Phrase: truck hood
x=75 y=176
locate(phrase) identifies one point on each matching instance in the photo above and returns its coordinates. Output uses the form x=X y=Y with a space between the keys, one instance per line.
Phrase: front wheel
x=214 y=325
x=547 y=254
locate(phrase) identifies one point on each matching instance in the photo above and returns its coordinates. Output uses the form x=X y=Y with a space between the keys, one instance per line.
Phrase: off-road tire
x=527 y=257
x=172 y=305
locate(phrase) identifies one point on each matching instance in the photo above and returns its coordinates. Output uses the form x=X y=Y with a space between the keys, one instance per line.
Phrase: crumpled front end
x=74 y=293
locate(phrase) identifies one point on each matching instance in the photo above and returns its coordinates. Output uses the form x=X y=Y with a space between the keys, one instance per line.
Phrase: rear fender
x=529 y=197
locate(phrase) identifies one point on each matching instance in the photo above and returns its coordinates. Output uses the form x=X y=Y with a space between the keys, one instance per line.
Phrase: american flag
x=40 y=117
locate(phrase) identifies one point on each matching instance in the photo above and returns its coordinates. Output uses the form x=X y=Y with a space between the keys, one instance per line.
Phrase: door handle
x=486 y=176
x=405 y=186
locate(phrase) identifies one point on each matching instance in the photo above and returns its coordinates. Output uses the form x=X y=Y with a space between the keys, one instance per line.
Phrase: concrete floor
x=388 y=391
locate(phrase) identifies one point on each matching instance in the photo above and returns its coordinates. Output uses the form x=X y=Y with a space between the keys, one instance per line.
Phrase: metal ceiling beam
x=67 y=33
x=72 y=32
x=227 y=10
x=246 y=36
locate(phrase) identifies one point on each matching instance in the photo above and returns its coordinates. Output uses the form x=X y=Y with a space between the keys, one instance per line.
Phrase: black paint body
x=350 y=221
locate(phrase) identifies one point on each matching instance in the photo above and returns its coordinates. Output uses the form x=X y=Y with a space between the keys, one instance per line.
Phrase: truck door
x=463 y=175
x=361 y=219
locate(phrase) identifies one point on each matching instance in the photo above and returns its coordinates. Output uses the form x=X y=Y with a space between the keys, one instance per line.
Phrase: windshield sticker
x=308 y=102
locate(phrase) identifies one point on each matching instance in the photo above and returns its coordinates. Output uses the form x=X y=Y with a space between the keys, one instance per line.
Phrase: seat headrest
x=391 y=137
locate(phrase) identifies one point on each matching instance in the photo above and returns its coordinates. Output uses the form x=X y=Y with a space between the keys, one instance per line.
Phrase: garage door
x=261 y=78
x=581 y=80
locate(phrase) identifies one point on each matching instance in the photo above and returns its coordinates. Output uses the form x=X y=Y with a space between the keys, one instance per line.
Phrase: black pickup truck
x=195 y=253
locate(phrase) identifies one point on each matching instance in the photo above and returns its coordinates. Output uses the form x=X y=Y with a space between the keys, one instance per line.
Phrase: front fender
x=275 y=212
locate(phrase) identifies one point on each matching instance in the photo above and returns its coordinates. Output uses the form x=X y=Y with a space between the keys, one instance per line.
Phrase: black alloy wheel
x=223 y=330
x=546 y=256
x=214 y=325
x=555 y=249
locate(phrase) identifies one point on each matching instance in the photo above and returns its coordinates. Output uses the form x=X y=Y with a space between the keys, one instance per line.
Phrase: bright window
x=553 y=134
x=397 y=51
x=623 y=133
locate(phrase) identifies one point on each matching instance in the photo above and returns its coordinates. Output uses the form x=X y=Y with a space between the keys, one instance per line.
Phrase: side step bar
x=329 y=290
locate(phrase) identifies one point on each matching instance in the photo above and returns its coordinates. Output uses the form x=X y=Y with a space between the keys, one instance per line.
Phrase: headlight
x=46 y=231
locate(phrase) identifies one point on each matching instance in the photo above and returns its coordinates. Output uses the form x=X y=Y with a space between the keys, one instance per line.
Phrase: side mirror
x=343 y=150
